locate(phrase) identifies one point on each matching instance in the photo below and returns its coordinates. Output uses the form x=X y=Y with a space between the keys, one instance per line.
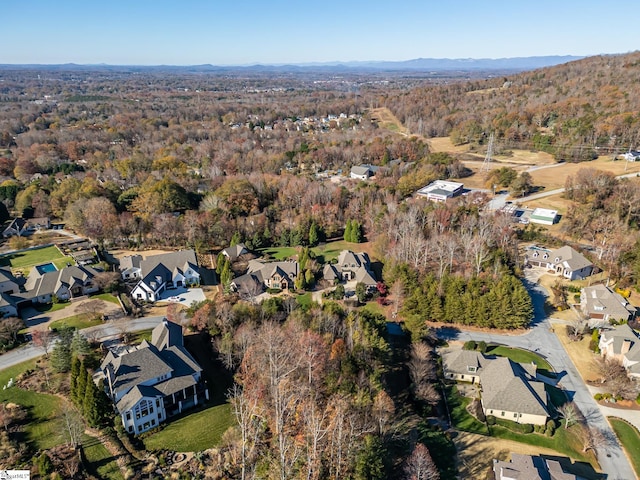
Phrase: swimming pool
x=46 y=267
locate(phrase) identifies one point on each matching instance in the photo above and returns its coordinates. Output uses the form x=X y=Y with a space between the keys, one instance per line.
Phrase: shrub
x=470 y=345
x=598 y=397
x=491 y=420
x=550 y=428
x=482 y=346
x=595 y=341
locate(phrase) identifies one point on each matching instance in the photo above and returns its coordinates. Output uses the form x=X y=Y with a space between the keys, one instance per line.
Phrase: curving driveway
x=542 y=340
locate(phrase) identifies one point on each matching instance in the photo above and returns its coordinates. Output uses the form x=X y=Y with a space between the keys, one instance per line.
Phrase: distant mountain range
x=415 y=65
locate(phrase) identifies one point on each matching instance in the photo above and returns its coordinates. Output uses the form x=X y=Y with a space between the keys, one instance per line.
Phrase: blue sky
x=232 y=32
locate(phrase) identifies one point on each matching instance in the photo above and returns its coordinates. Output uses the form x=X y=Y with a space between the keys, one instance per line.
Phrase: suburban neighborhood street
x=541 y=340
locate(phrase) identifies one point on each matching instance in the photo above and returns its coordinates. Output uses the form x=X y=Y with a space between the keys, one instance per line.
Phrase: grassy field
x=521 y=356
x=324 y=252
x=194 y=432
x=304 y=300
x=23 y=261
x=43 y=427
x=630 y=439
x=80 y=321
x=101 y=461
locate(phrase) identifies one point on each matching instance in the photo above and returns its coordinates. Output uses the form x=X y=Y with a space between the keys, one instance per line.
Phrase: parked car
x=173 y=299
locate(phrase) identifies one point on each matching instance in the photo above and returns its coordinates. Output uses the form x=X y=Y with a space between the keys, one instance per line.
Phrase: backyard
x=25 y=260
x=564 y=441
x=187 y=433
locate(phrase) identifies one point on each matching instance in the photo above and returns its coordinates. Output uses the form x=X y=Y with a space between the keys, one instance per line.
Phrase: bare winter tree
x=72 y=426
x=43 y=339
x=570 y=414
x=420 y=465
x=247 y=413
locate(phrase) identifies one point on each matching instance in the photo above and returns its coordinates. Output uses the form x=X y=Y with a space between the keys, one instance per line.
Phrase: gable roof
x=232 y=253
x=530 y=467
x=620 y=335
x=601 y=299
x=458 y=360
x=569 y=257
x=167 y=334
x=166 y=265
x=511 y=386
x=130 y=261
x=48 y=283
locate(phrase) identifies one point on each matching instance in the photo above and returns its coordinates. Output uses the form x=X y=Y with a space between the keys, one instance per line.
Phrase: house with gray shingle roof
x=529 y=467
x=350 y=266
x=277 y=275
x=234 y=252
x=510 y=390
x=622 y=344
x=154 y=381
x=65 y=284
x=168 y=270
x=564 y=261
x=599 y=302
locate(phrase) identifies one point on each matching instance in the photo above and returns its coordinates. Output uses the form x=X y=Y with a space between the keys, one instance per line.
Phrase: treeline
x=574 y=111
x=486 y=301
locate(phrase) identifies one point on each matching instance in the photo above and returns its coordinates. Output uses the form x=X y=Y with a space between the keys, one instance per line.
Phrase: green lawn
x=51 y=307
x=137 y=337
x=107 y=297
x=43 y=427
x=80 y=321
x=521 y=356
x=30 y=258
x=280 y=253
x=630 y=439
x=563 y=441
x=304 y=300
x=194 y=432
x=101 y=462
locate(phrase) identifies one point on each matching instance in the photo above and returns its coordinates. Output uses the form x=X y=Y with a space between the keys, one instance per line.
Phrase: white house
x=161 y=272
x=363 y=172
x=154 y=381
x=564 y=261
x=441 y=190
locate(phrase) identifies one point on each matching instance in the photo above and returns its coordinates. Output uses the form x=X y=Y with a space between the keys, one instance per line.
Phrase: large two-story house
x=601 y=304
x=154 y=380
x=622 y=344
x=276 y=275
x=65 y=284
x=161 y=272
x=350 y=266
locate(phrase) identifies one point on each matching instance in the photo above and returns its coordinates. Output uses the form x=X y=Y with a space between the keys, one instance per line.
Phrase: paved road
x=101 y=333
x=542 y=340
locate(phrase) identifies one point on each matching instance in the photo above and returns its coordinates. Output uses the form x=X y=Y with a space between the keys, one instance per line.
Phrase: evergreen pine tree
x=356 y=232
x=73 y=380
x=81 y=385
x=61 y=357
x=235 y=240
x=347 y=232
x=314 y=235
x=79 y=345
x=89 y=407
x=225 y=277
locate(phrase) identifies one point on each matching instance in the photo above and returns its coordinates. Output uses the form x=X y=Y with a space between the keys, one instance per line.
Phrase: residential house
x=363 y=172
x=168 y=270
x=130 y=267
x=277 y=275
x=16 y=228
x=621 y=344
x=8 y=283
x=529 y=467
x=441 y=190
x=462 y=365
x=599 y=302
x=154 y=381
x=8 y=305
x=631 y=156
x=233 y=253
x=65 y=284
x=564 y=261
x=350 y=266
x=510 y=390
x=37 y=224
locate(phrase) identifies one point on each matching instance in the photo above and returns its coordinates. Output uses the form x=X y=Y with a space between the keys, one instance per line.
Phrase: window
x=158 y=403
x=128 y=416
x=153 y=422
x=130 y=428
x=502 y=414
x=471 y=369
x=461 y=377
x=515 y=415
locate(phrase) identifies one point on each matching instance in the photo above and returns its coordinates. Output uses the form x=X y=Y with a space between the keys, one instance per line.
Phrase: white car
x=173 y=299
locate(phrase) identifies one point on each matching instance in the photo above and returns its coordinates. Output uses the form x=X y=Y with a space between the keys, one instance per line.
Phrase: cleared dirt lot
x=476 y=453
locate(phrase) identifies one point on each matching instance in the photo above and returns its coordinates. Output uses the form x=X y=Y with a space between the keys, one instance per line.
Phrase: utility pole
x=487 y=158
